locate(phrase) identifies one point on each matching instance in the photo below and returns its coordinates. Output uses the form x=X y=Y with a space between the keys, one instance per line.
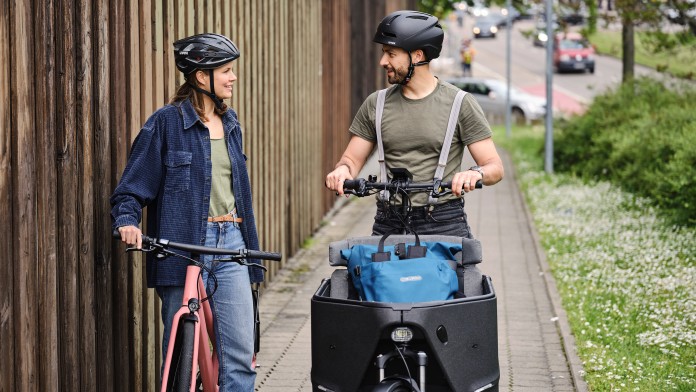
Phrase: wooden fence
x=80 y=78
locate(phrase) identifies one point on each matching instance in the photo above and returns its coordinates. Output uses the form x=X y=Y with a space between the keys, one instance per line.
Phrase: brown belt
x=229 y=217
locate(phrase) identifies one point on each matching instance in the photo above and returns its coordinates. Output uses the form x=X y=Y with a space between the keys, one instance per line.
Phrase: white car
x=491 y=94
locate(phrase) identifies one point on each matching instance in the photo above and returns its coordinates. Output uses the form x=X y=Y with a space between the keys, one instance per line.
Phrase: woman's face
x=223 y=79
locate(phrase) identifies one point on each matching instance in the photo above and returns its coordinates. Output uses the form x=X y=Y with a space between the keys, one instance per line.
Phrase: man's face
x=395 y=61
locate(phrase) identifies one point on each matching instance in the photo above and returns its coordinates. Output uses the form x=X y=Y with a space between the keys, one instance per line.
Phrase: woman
x=187 y=165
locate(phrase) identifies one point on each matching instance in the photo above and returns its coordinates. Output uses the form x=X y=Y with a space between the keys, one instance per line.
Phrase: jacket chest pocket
x=178 y=176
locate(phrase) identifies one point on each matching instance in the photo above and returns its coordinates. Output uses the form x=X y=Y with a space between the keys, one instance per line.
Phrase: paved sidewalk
x=532 y=328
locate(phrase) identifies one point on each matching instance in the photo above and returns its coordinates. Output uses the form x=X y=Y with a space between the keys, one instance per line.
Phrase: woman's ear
x=202 y=77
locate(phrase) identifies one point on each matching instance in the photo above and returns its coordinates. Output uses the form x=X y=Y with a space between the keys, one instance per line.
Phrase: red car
x=572 y=52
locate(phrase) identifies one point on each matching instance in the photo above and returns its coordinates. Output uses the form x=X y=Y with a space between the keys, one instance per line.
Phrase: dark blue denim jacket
x=169 y=171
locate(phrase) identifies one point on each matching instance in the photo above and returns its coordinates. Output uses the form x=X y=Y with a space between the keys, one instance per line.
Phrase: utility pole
x=508 y=108
x=548 y=143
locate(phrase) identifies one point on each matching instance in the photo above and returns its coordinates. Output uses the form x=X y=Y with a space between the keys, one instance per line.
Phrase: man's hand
x=465 y=181
x=131 y=235
x=335 y=179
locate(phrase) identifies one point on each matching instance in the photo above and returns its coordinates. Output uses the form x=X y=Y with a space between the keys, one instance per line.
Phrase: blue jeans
x=447 y=218
x=232 y=307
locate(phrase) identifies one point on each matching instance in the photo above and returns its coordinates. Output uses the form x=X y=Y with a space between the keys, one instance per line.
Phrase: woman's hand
x=131 y=235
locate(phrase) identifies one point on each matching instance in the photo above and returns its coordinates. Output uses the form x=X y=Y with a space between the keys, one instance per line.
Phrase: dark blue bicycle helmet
x=206 y=52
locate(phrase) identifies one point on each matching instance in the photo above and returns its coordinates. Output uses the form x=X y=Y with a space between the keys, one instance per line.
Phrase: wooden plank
x=200 y=17
x=66 y=145
x=9 y=235
x=284 y=115
x=217 y=17
x=157 y=54
x=85 y=202
x=170 y=71
x=147 y=85
x=123 y=330
x=103 y=184
x=190 y=17
x=45 y=113
x=25 y=296
x=142 y=365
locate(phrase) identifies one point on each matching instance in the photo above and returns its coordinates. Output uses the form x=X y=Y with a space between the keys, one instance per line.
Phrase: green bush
x=641 y=136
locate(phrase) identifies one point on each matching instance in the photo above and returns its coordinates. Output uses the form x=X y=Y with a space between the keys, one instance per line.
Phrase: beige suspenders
x=444 y=153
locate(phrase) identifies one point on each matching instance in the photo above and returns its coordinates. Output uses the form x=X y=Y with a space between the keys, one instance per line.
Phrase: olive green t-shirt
x=413 y=131
x=221 y=193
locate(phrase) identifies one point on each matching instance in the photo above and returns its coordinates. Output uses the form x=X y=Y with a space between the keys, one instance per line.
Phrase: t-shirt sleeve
x=473 y=126
x=363 y=124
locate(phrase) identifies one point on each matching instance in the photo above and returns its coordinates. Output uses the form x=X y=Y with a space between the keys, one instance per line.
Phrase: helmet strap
x=411 y=67
x=217 y=101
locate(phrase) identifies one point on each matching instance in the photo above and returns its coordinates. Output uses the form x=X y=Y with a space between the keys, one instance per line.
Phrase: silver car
x=491 y=94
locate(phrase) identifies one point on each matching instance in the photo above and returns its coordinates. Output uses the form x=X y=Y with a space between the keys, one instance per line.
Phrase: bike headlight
x=402 y=335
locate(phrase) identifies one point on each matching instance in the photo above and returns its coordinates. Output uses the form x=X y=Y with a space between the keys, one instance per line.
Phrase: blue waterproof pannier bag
x=418 y=272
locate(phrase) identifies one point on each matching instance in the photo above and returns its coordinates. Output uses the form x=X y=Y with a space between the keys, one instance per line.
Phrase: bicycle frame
x=195 y=311
x=206 y=358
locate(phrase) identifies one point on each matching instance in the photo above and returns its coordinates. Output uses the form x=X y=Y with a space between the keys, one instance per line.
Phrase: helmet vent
x=421 y=17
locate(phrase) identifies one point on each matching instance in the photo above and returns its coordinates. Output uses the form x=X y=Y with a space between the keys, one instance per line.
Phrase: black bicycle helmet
x=411 y=30
x=207 y=52
x=204 y=51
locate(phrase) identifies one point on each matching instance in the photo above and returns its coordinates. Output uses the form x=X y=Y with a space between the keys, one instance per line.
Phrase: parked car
x=491 y=94
x=572 y=52
x=485 y=26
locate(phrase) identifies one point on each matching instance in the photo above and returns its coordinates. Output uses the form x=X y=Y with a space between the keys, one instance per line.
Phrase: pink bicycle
x=192 y=339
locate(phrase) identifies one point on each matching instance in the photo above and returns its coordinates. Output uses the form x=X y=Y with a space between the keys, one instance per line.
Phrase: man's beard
x=398 y=77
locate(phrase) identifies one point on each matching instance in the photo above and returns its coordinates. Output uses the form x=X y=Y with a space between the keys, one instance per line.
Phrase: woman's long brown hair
x=186 y=91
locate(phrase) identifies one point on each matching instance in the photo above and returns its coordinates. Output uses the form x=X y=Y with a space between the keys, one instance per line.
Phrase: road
x=571 y=91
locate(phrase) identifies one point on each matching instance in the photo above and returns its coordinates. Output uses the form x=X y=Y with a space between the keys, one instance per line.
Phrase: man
x=467 y=53
x=413 y=128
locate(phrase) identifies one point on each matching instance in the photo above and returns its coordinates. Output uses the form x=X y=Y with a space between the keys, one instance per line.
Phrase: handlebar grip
x=448 y=185
x=146 y=240
x=257 y=254
x=352 y=184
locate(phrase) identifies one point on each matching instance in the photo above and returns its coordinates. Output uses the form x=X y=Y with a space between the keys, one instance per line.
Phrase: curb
x=568 y=340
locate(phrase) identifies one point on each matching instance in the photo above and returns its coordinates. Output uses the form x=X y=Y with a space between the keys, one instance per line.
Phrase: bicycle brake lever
x=241 y=261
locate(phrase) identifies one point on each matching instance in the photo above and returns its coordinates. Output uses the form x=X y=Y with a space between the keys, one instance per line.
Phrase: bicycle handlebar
x=197 y=249
x=360 y=186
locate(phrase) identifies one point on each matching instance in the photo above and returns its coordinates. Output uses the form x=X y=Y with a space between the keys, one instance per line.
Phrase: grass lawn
x=626 y=277
x=678 y=61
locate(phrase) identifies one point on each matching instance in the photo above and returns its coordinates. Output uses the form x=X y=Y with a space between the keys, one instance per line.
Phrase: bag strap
x=380 y=246
x=379 y=110
x=449 y=135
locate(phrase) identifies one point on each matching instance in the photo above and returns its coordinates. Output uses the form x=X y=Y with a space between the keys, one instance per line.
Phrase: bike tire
x=184 y=360
x=393 y=385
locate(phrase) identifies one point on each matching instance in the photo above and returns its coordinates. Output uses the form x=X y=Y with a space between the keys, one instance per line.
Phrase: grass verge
x=626 y=277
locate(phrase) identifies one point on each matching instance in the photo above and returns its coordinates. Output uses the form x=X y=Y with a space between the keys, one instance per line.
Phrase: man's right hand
x=131 y=235
x=335 y=179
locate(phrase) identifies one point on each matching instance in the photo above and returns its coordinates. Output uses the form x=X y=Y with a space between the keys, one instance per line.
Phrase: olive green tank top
x=221 y=192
